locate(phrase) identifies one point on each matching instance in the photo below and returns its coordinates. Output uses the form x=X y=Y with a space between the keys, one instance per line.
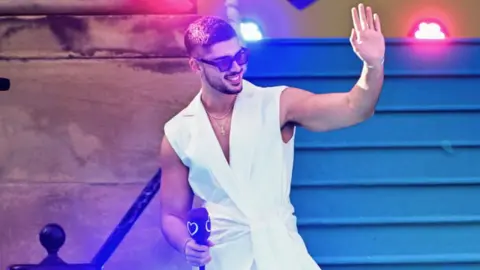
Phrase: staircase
x=402 y=190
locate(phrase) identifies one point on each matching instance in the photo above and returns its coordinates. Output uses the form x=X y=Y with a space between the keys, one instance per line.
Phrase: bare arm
x=176 y=197
x=323 y=112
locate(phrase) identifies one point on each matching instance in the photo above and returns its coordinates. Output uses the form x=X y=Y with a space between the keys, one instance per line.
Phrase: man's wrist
x=375 y=65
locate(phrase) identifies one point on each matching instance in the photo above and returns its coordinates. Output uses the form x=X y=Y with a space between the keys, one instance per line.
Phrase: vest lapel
x=245 y=125
x=209 y=152
x=246 y=119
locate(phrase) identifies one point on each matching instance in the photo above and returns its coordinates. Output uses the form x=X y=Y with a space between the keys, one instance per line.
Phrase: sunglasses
x=225 y=63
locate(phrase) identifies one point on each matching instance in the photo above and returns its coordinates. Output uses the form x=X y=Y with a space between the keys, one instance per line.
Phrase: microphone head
x=4 y=84
x=198 y=225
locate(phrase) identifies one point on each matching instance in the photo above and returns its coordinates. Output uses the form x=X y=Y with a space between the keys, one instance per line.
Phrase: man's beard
x=221 y=87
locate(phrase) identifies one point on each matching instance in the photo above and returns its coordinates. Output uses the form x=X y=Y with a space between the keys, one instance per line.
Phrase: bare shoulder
x=172 y=166
x=291 y=100
x=168 y=156
x=176 y=195
x=173 y=169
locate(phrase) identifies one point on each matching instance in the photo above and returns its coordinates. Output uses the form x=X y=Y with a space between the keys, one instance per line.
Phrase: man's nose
x=235 y=67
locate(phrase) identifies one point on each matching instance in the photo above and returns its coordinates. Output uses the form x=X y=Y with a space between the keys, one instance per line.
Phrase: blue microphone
x=199 y=227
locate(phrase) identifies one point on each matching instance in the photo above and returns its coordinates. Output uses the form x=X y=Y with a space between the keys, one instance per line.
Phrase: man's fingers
x=199 y=261
x=370 y=23
x=356 y=20
x=376 y=19
x=353 y=36
x=197 y=247
x=363 y=17
x=206 y=260
x=196 y=254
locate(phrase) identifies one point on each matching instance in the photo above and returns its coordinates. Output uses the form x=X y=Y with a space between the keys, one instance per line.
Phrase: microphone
x=4 y=84
x=199 y=227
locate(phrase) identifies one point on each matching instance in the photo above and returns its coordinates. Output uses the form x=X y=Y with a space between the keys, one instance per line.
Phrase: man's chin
x=234 y=89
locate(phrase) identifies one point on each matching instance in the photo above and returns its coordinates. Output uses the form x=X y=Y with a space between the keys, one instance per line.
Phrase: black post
x=4 y=84
x=52 y=237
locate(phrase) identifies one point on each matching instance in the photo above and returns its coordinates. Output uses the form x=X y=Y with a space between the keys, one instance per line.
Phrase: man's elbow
x=362 y=114
x=360 y=110
x=164 y=222
x=366 y=114
x=169 y=222
x=167 y=217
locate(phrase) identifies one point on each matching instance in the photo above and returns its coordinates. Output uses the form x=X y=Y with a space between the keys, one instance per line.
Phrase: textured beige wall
x=80 y=130
x=78 y=141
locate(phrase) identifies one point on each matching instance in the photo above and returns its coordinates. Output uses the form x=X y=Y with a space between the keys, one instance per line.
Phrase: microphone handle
x=203 y=243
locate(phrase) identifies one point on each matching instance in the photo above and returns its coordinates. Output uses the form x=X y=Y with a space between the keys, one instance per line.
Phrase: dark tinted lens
x=224 y=64
x=242 y=57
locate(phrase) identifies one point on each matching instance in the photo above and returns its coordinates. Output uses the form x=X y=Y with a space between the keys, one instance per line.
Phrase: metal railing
x=52 y=236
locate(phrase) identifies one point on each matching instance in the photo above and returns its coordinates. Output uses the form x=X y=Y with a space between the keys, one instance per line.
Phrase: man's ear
x=194 y=65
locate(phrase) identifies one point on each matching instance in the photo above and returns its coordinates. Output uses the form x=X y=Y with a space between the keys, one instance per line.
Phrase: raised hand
x=367 y=39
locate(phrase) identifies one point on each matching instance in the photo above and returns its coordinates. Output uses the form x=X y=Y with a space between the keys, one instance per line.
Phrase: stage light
x=302 y=4
x=429 y=30
x=250 y=31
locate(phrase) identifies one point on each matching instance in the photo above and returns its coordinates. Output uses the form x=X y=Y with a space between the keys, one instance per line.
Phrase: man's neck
x=216 y=102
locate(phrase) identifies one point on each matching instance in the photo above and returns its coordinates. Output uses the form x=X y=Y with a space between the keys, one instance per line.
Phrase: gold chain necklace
x=216 y=120
x=221 y=127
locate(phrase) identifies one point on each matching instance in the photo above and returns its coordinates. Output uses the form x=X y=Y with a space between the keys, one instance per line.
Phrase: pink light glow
x=429 y=30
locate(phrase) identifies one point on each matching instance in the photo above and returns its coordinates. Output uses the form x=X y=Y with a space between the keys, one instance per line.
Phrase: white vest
x=253 y=225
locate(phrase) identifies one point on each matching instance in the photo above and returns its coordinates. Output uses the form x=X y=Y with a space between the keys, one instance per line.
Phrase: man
x=232 y=146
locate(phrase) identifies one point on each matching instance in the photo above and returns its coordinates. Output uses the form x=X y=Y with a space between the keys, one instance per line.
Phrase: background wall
x=331 y=18
x=81 y=125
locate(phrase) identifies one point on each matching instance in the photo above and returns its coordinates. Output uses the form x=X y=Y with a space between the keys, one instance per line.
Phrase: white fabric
x=253 y=225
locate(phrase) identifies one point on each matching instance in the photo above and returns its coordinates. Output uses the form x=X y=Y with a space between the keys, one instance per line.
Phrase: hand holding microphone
x=197 y=249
